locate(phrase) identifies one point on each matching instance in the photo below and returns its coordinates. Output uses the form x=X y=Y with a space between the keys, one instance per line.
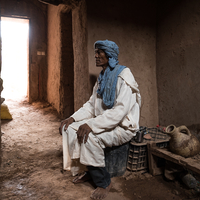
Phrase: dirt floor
x=32 y=164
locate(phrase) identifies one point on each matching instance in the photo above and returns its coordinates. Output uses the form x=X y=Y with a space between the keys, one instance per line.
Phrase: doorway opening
x=15 y=57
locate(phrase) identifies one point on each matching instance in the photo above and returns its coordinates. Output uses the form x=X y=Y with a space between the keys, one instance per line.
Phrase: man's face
x=101 y=59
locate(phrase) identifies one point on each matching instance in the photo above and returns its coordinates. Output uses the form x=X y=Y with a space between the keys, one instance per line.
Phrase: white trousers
x=77 y=156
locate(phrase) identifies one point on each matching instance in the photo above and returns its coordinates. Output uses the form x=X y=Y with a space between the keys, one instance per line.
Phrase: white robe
x=110 y=127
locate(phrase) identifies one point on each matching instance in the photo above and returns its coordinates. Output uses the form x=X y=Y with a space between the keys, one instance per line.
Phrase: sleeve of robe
x=87 y=111
x=125 y=100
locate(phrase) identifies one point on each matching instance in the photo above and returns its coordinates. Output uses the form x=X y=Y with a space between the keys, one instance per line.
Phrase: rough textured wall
x=81 y=73
x=0 y=91
x=67 y=57
x=178 y=62
x=132 y=25
x=36 y=12
x=67 y=66
x=54 y=56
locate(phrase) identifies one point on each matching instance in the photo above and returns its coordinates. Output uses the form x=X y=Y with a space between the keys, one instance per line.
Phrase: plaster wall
x=36 y=13
x=81 y=70
x=178 y=62
x=67 y=66
x=54 y=56
x=132 y=25
x=67 y=57
x=0 y=93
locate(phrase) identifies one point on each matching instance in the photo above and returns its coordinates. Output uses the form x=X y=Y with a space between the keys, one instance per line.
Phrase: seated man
x=109 y=118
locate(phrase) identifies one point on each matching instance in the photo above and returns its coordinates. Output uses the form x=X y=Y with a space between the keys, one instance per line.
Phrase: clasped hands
x=82 y=133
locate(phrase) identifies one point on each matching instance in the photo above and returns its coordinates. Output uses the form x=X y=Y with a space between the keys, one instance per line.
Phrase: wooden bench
x=155 y=152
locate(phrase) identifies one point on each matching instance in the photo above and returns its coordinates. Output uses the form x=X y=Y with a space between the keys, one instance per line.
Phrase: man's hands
x=83 y=132
x=67 y=121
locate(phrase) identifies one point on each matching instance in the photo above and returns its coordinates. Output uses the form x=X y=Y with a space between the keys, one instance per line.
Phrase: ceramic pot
x=182 y=142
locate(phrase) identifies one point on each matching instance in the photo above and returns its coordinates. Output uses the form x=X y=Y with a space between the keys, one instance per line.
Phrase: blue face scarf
x=107 y=80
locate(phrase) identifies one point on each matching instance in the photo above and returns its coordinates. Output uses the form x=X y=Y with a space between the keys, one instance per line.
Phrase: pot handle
x=184 y=129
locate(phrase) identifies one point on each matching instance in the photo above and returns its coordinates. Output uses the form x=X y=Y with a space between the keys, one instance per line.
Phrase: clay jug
x=182 y=142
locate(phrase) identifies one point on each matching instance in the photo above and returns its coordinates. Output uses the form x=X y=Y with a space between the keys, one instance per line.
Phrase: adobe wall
x=80 y=50
x=54 y=56
x=132 y=26
x=36 y=12
x=67 y=87
x=0 y=96
x=178 y=62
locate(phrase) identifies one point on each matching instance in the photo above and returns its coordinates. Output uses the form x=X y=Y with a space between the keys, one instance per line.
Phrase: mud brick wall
x=178 y=62
x=158 y=41
x=67 y=87
x=132 y=25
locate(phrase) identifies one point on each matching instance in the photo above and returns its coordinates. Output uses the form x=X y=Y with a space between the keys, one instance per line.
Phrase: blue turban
x=111 y=49
x=108 y=80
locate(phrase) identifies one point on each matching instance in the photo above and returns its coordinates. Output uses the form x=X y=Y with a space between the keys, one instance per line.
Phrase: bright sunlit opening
x=15 y=53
